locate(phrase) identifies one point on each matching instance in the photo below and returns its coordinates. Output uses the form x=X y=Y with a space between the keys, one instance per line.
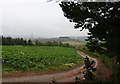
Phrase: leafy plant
x=88 y=74
x=39 y=58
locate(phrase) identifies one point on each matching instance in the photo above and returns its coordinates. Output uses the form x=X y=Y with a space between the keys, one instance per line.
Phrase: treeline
x=23 y=42
x=49 y=43
x=13 y=41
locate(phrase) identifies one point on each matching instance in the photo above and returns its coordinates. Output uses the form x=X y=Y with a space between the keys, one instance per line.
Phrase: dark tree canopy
x=102 y=19
x=83 y=14
x=13 y=41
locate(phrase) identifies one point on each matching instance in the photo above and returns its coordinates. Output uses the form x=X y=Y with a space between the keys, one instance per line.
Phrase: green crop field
x=38 y=58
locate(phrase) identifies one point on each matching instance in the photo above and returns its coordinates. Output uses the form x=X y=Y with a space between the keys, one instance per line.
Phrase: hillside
x=62 y=39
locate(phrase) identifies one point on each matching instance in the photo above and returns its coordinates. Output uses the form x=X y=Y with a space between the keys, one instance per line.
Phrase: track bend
x=63 y=76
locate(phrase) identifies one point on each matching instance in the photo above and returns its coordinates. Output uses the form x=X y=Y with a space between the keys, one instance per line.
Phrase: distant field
x=38 y=58
x=75 y=43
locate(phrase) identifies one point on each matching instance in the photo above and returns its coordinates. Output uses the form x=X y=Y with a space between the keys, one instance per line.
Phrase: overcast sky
x=42 y=18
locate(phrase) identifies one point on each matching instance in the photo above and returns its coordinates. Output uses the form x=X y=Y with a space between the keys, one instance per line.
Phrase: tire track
x=67 y=76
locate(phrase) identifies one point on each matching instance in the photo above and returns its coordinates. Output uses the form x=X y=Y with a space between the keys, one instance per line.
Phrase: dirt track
x=62 y=76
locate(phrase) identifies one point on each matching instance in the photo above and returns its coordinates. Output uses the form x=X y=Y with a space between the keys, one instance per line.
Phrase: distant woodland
x=23 y=42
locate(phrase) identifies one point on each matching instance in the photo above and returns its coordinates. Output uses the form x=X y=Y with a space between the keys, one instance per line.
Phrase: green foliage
x=77 y=80
x=21 y=41
x=94 y=46
x=53 y=82
x=38 y=58
x=30 y=42
x=13 y=41
x=88 y=74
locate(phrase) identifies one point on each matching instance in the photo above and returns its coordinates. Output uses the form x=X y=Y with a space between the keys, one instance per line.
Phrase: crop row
x=25 y=58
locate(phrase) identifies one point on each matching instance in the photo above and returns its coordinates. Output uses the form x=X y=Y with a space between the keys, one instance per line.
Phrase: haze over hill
x=62 y=39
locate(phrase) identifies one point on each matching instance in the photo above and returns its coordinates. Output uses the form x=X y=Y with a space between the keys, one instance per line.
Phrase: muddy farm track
x=58 y=76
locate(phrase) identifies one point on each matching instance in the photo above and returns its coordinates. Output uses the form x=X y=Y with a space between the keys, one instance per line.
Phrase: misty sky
x=42 y=18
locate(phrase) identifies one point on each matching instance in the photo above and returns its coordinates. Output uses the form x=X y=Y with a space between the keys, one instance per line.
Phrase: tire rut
x=67 y=76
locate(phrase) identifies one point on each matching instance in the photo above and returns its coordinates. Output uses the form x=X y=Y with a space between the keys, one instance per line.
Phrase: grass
x=0 y=59
x=104 y=58
x=107 y=61
x=38 y=58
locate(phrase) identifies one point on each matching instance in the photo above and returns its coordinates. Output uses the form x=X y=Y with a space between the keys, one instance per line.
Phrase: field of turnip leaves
x=38 y=58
